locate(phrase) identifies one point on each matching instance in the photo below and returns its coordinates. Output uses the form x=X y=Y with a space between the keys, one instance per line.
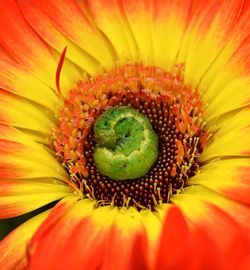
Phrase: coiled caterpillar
x=127 y=146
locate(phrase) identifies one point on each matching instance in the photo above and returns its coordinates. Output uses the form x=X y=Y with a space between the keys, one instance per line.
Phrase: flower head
x=135 y=117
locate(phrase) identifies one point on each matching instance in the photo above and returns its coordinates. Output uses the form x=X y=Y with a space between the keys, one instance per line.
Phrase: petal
x=215 y=213
x=221 y=87
x=231 y=137
x=15 y=79
x=111 y=20
x=181 y=247
x=16 y=111
x=21 y=196
x=23 y=158
x=168 y=27
x=127 y=226
x=228 y=69
x=138 y=14
x=221 y=103
x=107 y=232
x=68 y=224
x=138 y=257
x=34 y=55
x=209 y=25
x=206 y=252
x=197 y=247
x=228 y=177
x=48 y=32
x=4 y=55
x=175 y=234
x=67 y=231
x=215 y=30
x=75 y=25
x=13 y=247
x=219 y=92
x=238 y=251
x=236 y=49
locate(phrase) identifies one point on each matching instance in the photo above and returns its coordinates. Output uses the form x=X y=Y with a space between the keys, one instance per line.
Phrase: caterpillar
x=126 y=144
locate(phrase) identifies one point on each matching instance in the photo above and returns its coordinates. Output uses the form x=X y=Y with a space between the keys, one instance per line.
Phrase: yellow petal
x=23 y=158
x=199 y=204
x=228 y=177
x=16 y=111
x=21 y=196
x=231 y=137
x=13 y=248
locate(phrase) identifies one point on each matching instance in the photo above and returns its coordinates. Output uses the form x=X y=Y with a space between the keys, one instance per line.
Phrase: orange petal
x=183 y=248
x=240 y=39
x=214 y=212
x=106 y=231
x=138 y=258
x=13 y=247
x=174 y=245
x=75 y=25
x=33 y=55
x=237 y=253
x=213 y=55
x=64 y=231
x=44 y=27
x=209 y=25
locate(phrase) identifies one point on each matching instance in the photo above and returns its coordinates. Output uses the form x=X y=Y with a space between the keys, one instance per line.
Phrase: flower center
x=131 y=137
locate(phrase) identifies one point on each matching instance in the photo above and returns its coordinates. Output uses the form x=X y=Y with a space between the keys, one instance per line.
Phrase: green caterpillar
x=127 y=146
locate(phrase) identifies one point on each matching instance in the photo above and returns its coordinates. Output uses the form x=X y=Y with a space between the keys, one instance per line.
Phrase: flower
x=183 y=66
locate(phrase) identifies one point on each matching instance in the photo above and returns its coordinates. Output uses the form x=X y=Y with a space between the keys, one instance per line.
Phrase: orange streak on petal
x=73 y=23
x=59 y=69
x=240 y=191
x=14 y=36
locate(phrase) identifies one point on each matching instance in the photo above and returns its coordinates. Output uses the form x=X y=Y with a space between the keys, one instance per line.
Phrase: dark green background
x=7 y=225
